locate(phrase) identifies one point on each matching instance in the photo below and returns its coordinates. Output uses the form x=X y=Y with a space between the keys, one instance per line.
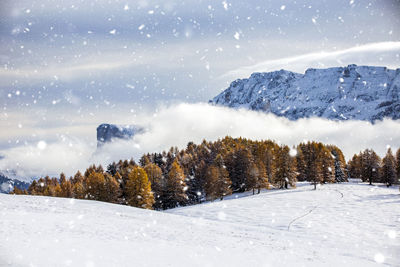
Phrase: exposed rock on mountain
x=108 y=132
x=7 y=184
x=341 y=93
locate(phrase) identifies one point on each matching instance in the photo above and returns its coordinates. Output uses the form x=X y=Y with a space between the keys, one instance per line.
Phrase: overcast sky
x=138 y=53
x=67 y=66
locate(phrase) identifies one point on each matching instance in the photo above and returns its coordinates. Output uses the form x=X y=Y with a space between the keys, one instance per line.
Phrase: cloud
x=67 y=70
x=177 y=125
x=367 y=54
x=114 y=59
x=40 y=159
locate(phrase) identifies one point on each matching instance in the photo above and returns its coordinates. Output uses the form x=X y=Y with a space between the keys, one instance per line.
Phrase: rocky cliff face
x=342 y=93
x=108 y=132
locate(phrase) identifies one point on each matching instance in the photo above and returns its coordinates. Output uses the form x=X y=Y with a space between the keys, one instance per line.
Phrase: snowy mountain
x=341 y=93
x=108 y=132
x=336 y=225
x=7 y=184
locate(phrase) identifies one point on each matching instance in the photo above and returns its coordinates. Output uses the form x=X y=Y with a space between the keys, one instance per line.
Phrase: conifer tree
x=196 y=191
x=252 y=177
x=339 y=174
x=240 y=168
x=398 y=164
x=370 y=162
x=112 y=168
x=285 y=169
x=144 y=160
x=17 y=191
x=211 y=179
x=111 y=189
x=78 y=190
x=175 y=188
x=301 y=167
x=217 y=182
x=262 y=178
x=154 y=174
x=66 y=187
x=327 y=165
x=223 y=186
x=56 y=190
x=138 y=189
x=355 y=168
x=388 y=169
x=94 y=186
x=314 y=165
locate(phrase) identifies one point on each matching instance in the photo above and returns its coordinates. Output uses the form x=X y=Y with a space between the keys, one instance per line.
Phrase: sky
x=67 y=66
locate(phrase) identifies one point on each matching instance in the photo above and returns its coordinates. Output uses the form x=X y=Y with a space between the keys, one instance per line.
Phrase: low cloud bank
x=179 y=124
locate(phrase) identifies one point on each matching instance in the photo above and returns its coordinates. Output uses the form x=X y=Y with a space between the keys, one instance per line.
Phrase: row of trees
x=208 y=171
x=369 y=167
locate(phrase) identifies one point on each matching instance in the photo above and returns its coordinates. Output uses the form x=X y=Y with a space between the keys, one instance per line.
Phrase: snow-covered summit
x=340 y=93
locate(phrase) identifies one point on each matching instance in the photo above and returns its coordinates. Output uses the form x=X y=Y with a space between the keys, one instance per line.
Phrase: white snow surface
x=337 y=225
x=341 y=93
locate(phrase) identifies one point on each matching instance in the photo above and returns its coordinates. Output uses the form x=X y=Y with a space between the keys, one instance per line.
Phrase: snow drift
x=337 y=225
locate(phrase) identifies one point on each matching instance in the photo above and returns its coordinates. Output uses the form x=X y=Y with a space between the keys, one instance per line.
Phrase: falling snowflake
x=41 y=145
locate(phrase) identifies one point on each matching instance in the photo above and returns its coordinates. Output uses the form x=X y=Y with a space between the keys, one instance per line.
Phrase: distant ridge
x=106 y=133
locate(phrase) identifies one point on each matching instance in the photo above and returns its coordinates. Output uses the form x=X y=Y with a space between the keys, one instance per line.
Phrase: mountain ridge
x=339 y=93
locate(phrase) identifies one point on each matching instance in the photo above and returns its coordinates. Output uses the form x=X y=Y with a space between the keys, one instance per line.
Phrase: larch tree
x=253 y=174
x=327 y=165
x=224 y=183
x=66 y=187
x=285 y=169
x=217 y=182
x=262 y=178
x=269 y=163
x=314 y=165
x=355 y=166
x=78 y=191
x=138 y=189
x=111 y=189
x=94 y=186
x=211 y=178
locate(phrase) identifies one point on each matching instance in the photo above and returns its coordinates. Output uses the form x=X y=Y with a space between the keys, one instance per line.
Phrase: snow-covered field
x=337 y=225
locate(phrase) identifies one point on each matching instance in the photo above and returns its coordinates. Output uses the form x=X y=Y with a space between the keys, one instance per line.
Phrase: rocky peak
x=340 y=93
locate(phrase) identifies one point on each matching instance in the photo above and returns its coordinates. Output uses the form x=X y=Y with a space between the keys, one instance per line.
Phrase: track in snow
x=310 y=211
x=302 y=216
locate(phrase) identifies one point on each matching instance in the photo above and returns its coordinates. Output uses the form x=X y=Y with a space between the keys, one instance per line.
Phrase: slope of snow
x=352 y=92
x=337 y=225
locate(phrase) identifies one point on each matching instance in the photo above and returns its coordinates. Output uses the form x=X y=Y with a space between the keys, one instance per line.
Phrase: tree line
x=369 y=167
x=209 y=171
